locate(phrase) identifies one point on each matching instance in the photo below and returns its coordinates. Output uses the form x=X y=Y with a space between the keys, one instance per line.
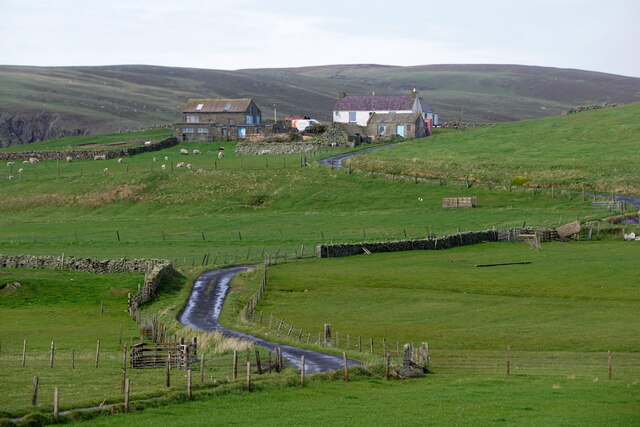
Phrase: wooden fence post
x=235 y=364
x=73 y=358
x=202 y=369
x=127 y=391
x=371 y=344
x=97 y=353
x=609 y=364
x=189 y=384
x=24 y=353
x=168 y=371
x=359 y=343
x=508 y=360
x=248 y=376
x=346 y=366
x=327 y=335
x=56 y=404
x=425 y=354
x=302 y=371
x=388 y=367
x=258 y=362
x=52 y=354
x=34 y=395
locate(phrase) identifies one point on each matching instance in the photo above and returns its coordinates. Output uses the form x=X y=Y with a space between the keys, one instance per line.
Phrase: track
x=203 y=310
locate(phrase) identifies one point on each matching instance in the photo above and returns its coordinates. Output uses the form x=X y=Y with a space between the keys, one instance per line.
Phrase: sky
x=235 y=34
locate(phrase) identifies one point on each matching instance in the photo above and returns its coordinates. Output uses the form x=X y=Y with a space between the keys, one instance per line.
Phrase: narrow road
x=203 y=310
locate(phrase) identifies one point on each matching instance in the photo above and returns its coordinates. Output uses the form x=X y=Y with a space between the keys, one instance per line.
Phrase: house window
x=223 y=131
x=192 y=118
x=408 y=128
x=199 y=107
x=203 y=130
x=352 y=117
x=382 y=129
x=249 y=119
x=187 y=130
x=227 y=107
x=242 y=132
x=258 y=119
x=230 y=121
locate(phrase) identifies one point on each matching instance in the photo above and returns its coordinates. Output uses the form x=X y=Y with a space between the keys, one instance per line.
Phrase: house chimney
x=373 y=92
x=414 y=92
x=341 y=94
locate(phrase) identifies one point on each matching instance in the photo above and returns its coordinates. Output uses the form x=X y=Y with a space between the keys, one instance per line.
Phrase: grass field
x=593 y=150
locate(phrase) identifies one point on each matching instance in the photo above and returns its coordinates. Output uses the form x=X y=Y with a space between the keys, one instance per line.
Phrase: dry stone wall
x=88 y=154
x=436 y=243
x=259 y=148
x=155 y=270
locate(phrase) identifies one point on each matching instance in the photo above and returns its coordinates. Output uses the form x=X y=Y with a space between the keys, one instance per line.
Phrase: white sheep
x=11 y=177
x=180 y=165
x=147 y=143
x=20 y=171
x=155 y=160
x=33 y=160
x=184 y=151
x=166 y=158
x=105 y=170
x=220 y=154
x=196 y=152
x=189 y=166
x=68 y=159
x=163 y=167
x=10 y=163
x=120 y=160
x=25 y=162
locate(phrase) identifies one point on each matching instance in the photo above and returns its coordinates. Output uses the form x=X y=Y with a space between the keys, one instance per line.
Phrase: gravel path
x=203 y=310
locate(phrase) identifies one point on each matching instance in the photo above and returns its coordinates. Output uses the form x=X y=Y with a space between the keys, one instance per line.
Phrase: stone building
x=220 y=119
x=407 y=125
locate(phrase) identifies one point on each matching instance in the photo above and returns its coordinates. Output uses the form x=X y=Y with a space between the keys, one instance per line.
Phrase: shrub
x=316 y=129
x=520 y=180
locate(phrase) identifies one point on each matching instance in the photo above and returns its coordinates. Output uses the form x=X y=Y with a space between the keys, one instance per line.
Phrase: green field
x=559 y=315
x=591 y=150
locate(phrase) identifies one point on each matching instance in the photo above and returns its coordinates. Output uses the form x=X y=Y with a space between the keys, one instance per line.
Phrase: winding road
x=203 y=310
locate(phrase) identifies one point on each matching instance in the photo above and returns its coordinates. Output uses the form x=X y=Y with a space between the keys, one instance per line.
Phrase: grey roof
x=426 y=107
x=217 y=105
x=391 y=118
x=374 y=102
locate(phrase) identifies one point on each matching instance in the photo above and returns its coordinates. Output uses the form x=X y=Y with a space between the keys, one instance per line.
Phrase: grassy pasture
x=592 y=150
x=238 y=209
x=578 y=297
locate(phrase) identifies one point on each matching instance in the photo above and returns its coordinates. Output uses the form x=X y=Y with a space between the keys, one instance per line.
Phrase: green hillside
x=591 y=150
x=44 y=102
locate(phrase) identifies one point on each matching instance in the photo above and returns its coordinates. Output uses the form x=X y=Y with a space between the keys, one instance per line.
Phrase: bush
x=520 y=180
x=316 y=129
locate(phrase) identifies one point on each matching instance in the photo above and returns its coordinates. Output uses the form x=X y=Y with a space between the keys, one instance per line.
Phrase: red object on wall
x=427 y=122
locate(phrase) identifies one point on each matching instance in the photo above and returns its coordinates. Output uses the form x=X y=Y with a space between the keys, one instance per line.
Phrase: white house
x=357 y=109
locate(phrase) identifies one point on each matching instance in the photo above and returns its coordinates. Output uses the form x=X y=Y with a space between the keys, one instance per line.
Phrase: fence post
x=609 y=363
x=302 y=371
x=258 y=364
x=508 y=360
x=406 y=357
x=202 y=369
x=235 y=364
x=327 y=335
x=359 y=343
x=56 y=404
x=248 y=376
x=127 y=390
x=371 y=344
x=346 y=366
x=73 y=358
x=24 y=353
x=388 y=362
x=425 y=354
x=168 y=370
x=97 y=353
x=34 y=395
x=52 y=354
x=189 y=383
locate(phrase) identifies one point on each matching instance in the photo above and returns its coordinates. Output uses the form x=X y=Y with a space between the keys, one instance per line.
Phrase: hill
x=39 y=103
x=590 y=150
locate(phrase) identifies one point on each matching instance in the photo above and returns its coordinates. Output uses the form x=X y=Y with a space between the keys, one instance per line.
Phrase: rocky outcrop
x=25 y=128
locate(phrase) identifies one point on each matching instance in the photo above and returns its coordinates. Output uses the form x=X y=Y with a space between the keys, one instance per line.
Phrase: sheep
x=163 y=167
x=184 y=151
x=25 y=162
x=33 y=160
x=147 y=143
x=199 y=170
x=220 y=154
x=180 y=165
x=100 y=157
x=120 y=160
x=166 y=158
x=196 y=152
x=20 y=171
x=68 y=159
x=189 y=166
x=105 y=171
x=10 y=164
x=11 y=177
x=155 y=160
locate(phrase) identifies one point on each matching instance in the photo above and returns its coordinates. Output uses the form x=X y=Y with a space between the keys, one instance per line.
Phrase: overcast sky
x=233 y=34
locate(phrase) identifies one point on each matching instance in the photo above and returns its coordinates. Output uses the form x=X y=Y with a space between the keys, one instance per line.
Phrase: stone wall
x=155 y=270
x=88 y=154
x=258 y=148
x=445 y=242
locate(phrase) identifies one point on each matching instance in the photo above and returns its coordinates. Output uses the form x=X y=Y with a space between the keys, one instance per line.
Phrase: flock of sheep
x=69 y=159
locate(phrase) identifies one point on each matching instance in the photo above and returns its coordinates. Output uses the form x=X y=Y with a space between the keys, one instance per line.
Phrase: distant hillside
x=45 y=102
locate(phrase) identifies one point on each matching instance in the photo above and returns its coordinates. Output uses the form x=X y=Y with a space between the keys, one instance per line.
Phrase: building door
x=400 y=130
